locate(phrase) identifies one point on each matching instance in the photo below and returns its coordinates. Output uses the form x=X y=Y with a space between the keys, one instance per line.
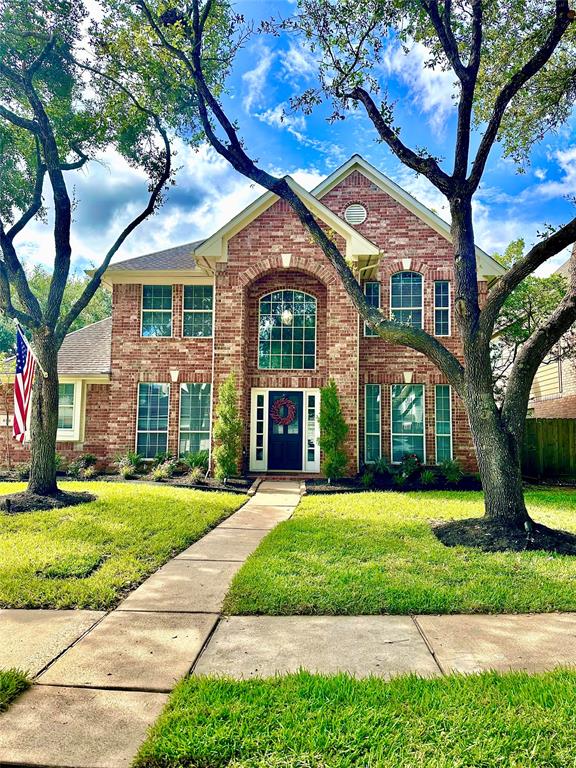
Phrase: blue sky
x=267 y=73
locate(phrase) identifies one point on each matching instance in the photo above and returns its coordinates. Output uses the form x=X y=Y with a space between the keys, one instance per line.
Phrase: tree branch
x=6 y=299
x=533 y=353
x=36 y=203
x=537 y=255
x=443 y=28
x=19 y=121
x=427 y=166
x=416 y=339
x=525 y=73
x=16 y=276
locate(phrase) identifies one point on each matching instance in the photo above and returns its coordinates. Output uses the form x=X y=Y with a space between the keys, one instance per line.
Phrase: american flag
x=25 y=367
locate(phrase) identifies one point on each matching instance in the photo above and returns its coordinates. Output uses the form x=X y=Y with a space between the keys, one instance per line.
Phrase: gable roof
x=487 y=266
x=182 y=260
x=356 y=244
x=87 y=351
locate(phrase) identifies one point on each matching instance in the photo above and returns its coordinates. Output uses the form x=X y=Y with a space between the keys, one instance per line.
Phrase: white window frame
x=448 y=308
x=194 y=431
x=142 y=310
x=436 y=435
x=198 y=311
x=138 y=408
x=403 y=309
x=366 y=433
x=73 y=434
x=394 y=434
x=368 y=334
x=262 y=465
x=305 y=370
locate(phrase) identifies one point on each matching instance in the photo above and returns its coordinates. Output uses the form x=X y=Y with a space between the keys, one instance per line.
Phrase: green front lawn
x=12 y=684
x=374 y=553
x=90 y=555
x=311 y=721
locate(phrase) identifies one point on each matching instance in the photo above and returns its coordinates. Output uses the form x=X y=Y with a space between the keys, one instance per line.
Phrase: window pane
x=287 y=318
x=156 y=310
x=406 y=298
x=443 y=423
x=441 y=308
x=407 y=420
x=198 y=307
x=66 y=406
x=372 y=292
x=152 y=425
x=372 y=422
x=194 y=418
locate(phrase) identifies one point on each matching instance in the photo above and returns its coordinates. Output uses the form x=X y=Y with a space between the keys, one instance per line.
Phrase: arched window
x=406 y=298
x=287 y=330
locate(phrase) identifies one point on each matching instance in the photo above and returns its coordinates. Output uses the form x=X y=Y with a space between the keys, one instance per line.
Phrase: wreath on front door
x=283 y=411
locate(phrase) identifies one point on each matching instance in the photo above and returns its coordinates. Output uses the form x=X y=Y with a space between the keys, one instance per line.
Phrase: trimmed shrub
x=196 y=475
x=428 y=477
x=333 y=432
x=198 y=460
x=227 y=430
x=129 y=464
x=451 y=471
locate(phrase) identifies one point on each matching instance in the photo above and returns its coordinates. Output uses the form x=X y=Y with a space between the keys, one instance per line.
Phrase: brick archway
x=279 y=264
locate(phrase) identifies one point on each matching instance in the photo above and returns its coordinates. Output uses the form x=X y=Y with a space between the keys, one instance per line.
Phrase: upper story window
x=198 y=309
x=372 y=293
x=156 y=310
x=406 y=298
x=287 y=330
x=442 y=308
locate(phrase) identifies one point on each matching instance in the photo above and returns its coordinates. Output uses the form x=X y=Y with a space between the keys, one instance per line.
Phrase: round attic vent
x=355 y=214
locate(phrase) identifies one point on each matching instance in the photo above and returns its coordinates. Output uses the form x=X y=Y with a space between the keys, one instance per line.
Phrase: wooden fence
x=549 y=448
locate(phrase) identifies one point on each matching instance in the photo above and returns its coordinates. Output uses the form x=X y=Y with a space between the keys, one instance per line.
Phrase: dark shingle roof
x=179 y=257
x=88 y=351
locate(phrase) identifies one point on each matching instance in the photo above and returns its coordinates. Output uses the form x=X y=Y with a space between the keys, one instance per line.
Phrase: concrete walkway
x=102 y=680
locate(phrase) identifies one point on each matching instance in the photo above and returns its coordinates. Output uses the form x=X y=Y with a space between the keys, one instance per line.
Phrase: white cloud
x=297 y=62
x=566 y=160
x=432 y=88
x=540 y=173
x=207 y=194
x=255 y=79
x=280 y=117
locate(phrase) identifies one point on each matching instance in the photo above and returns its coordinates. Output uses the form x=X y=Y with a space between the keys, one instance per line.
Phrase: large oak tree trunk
x=44 y=417
x=497 y=450
x=498 y=459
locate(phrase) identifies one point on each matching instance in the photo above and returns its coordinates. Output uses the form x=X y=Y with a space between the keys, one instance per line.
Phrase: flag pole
x=42 y=371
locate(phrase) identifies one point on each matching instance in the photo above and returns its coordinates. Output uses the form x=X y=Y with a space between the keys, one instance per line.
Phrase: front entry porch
x=284 y=430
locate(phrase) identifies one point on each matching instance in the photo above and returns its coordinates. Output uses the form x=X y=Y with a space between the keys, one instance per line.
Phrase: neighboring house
x=260 y=299
x=553 y=394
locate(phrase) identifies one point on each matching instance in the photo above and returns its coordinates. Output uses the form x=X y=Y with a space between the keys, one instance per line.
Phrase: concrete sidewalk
x=102 y=680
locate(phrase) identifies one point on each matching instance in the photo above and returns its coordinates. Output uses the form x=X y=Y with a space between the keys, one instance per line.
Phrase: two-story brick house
x=260 y=299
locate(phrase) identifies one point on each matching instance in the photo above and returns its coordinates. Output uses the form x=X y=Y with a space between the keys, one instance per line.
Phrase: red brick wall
x=401 y=235
x=562 y=407
x=136 y=359
x=256 y=265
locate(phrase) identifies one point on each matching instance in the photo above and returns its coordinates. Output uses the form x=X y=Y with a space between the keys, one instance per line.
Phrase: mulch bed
x=18 y=503
x=353 y=485
x=493 y=537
